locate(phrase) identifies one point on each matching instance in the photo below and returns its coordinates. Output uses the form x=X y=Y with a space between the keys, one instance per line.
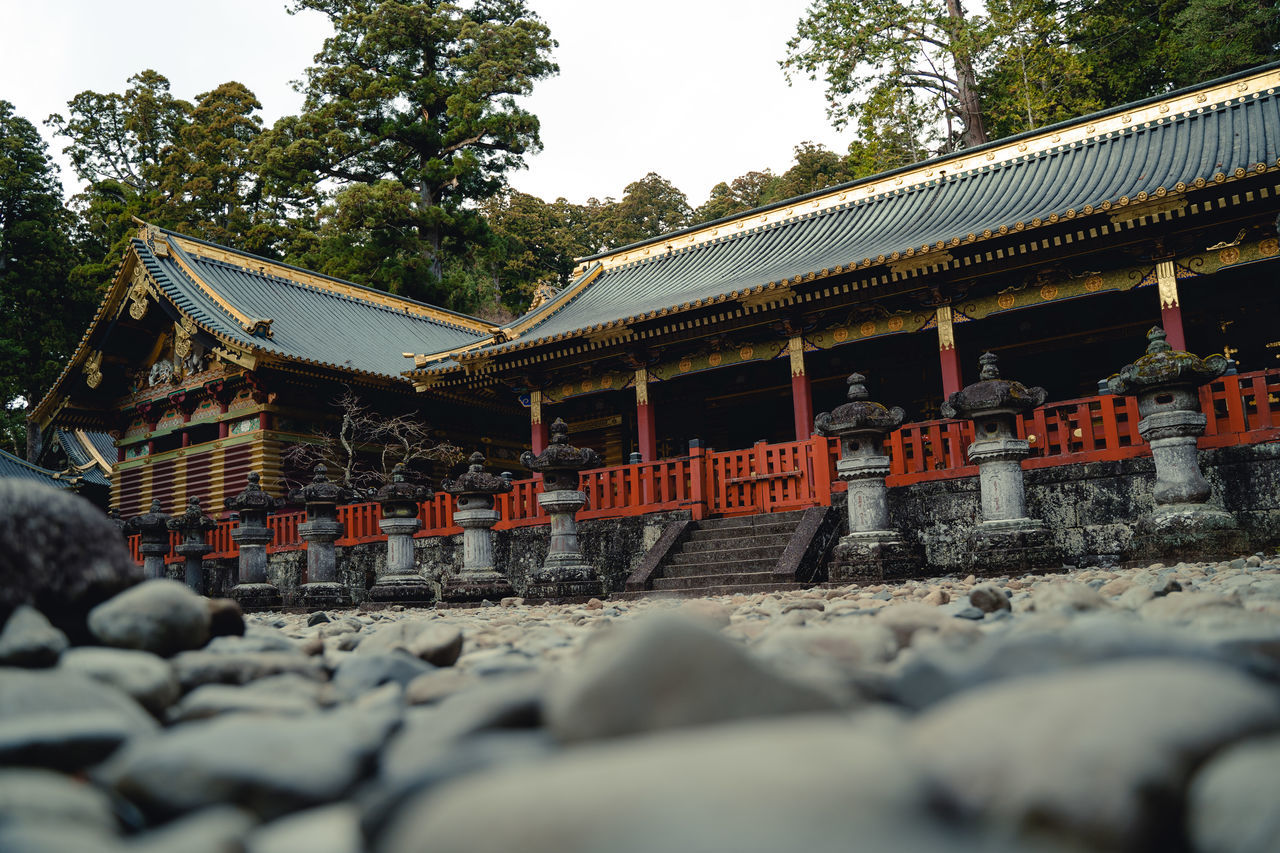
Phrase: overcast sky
x=690 y=89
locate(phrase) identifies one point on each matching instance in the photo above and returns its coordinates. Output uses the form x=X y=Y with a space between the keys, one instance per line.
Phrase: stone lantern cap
x=859 y=414
x=992 y=395
x=253 y=498
x=1164 y=366
x=561 y=461
x=193 y=519
x=400 y=490
x=321 y=490
x=475 y=481
x=151 y=522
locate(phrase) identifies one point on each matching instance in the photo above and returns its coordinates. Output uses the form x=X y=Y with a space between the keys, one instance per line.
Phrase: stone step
x=727 y=555
x=708 y=591
x=777 y=528
x=791 y=516
x=728 y=580
x=718 y=567
x=699 y=545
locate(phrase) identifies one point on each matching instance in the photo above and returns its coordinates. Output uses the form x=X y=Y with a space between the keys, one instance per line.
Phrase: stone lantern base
x=564 y=583
x=878 y=555
x=475 y=586
x=1011 y=546
x=411 y=590
x=564 y=576
x=256 y=596
x=1186 y=532
x=323 y=595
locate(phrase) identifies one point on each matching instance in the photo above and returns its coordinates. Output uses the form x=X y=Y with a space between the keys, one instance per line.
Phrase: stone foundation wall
x=615 y=546
x=1089 y=509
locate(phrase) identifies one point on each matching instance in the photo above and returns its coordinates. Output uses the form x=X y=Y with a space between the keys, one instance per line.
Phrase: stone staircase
x=722 y=556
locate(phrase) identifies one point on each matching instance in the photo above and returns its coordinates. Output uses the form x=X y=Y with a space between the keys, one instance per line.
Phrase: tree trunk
x=975 y=132
x=430 y=234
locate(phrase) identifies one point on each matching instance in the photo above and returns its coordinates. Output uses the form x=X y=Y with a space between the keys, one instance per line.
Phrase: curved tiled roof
x=89 y=453
x=1155 y=148
x=13 y=467
x=313 y=319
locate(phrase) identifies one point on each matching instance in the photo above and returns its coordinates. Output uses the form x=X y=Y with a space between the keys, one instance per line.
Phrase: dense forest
x=394 y=173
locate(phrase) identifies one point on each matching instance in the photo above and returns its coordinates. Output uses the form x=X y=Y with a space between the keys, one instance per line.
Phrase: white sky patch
x=690 y=89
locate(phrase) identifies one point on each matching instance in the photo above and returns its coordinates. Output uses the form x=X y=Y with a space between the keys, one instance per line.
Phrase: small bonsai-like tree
x=366 y=445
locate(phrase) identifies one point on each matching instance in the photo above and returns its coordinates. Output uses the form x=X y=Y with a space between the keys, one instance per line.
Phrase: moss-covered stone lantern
x=565 y=573
x=474 y=491
x=1183 y=524
x=872 y=550
x=1006 y=539
x=399 y=580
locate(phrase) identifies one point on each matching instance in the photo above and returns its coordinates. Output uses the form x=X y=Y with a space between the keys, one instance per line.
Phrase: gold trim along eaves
x=963 y=162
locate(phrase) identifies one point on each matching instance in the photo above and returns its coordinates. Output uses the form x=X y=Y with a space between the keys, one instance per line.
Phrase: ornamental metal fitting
x=475 y=481
x=253 y=499
x=859 y=414
x=560 y=463
x=399 y=490
x=149 y=524
x=1164 y=366
x=992 y=395
x=321 y=490
x=193 y=522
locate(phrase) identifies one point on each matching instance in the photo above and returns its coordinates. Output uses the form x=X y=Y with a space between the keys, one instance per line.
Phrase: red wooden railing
x=1243 y=409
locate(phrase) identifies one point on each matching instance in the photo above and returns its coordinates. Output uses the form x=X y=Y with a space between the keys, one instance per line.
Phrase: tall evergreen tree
x=422 y=95
x=42 y=315
x=650 y=206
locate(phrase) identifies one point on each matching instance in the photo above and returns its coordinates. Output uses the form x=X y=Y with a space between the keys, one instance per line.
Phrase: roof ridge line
x=966 y=161
x=331 y=285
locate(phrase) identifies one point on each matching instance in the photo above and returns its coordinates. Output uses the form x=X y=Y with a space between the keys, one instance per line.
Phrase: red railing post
x=698 y=481
x=820 y=468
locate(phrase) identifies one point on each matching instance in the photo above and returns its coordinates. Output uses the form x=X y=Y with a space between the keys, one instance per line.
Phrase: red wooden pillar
x=539 y=434
x=646 y=435
x=951 y=381
x=1170 y=309
x=801 y=392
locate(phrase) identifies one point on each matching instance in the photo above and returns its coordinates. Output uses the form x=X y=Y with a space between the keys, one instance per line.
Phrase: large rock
x=218 y=829
x=1100 y=753
x=214 y=700
x=1232 y=801
x=271 y=766
x=812 y=783
x=358 y=674
x=202 y=667
x=28 y=639
x=329 y=829
x=45 y=692
x=669 y=672
x=437 y=644
x=43 y=796
x=60 y=554
x=147 y=678
x=163 y=617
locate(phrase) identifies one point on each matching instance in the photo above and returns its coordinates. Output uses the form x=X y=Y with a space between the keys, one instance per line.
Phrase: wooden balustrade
x=1242 y=409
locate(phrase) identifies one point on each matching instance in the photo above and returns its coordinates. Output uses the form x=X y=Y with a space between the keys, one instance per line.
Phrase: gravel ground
x=1135 y=709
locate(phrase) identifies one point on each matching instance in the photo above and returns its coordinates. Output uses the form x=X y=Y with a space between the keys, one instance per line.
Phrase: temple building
x=1055 y=249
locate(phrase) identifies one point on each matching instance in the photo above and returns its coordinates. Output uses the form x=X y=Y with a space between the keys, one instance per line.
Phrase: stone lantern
x=113 y=515
x=872 y=550
x=1183 y=524
x=321 y=498
x=1006 y=540
x=566 y=573
x=252 y=589
x=193 y=524
x=399 y=582
x=473 y=493
x=153 y=533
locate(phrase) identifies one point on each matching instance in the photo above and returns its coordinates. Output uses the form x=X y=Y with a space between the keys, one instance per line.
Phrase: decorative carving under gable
x=183 y=331
x=139 y=293
x=93 y=370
